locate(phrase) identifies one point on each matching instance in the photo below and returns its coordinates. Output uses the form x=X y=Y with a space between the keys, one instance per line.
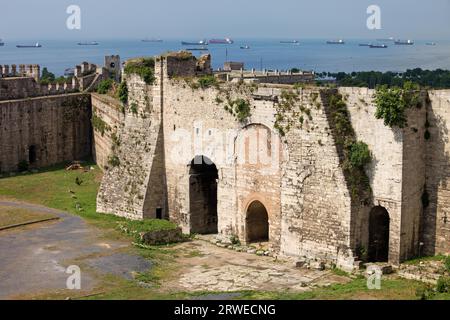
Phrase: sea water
x=263 y=54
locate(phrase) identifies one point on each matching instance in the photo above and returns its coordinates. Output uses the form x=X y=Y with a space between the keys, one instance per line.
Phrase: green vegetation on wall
x=290 y=112
x=99 y=125
x=392 y=103
x=114 y=161
x=144 y=67
x=122 y=92
x=207 y=82
x=355 y=155
x=240 y=108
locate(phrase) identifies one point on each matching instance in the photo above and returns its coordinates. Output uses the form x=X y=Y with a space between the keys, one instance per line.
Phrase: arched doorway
x=257 y=223
x=379 y=222
x=203 y=177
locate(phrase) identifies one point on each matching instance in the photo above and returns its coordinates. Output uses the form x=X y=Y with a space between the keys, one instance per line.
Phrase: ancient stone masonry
x=133 y=184
x=262 y=162
x=44 y=131
x=249 y=159
x=45 y=124
x=436 y=193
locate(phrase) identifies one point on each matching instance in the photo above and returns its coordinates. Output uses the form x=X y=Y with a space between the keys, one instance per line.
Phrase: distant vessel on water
x=365 y=44
x=387 y=39
x=340 y=41
x=92 y=43
x=404 y=42
x=290 y=42
x=221 y=41
x=378 y=46
x=245 y=47
x=151 y=40
x=37 y=45
x=198 y=43
x=1 y=43
x=197 y=49
x=431 y=43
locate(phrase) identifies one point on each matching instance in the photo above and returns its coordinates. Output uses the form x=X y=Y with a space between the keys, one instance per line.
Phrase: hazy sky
x=194 y=19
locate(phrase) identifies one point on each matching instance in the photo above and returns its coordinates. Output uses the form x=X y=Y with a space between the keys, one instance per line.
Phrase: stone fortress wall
x=309 y=206
x=45 y=124
x=151 y=151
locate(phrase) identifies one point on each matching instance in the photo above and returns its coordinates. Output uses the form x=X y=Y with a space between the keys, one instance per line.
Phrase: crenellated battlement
x=22 y=87
x=21 y=70
x=23 y=81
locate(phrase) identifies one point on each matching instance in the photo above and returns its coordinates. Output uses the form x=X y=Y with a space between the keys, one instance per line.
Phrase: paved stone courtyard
x=206 y=267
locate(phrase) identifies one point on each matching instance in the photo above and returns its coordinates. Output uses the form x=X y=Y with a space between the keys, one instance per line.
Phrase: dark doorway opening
x=159 y=213
x=32 y=154
x=203 y=177
x=379 y=235
x=257 y=223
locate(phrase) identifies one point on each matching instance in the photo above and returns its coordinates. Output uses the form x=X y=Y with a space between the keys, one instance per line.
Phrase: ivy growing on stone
x=392 y=103
x=99 y=125
x=122 y=92
x=144 y=67
x=291 y=113
x=134 y=108
x=355 y=155
x=114 y=161
x=240 y=108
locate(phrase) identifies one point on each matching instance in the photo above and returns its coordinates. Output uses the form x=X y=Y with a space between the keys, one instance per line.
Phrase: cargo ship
x=152 y=40
x=221 y=41
x=378 y=46
x=387 y=39
x=37 y=45
x=199 y=43
x=92 y=43
x=340 y=41
x=198 y=49
x=404 y=42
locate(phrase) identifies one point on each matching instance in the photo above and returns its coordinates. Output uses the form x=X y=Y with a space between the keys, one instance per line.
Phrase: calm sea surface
x=270 y=54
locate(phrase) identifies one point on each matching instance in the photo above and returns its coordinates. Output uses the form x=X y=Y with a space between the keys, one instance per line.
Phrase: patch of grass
x=417 y=261
x=339 y=272
x=391 y=289
x=194 y=254
x=66 y=195
x=11 y=215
